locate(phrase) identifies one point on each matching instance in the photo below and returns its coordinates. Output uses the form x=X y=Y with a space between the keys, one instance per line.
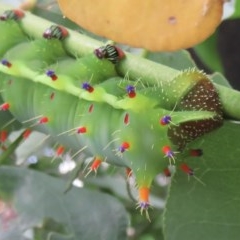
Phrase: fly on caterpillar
x=110 y=52
x=55 y=31
x=12 y=15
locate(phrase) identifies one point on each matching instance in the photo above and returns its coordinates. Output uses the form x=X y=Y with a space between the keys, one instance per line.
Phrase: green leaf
x=178 y=60
x=236 y=13
x=208 y=53
x=212 y=211
x=39 y=202
x=220 y=79
x=7 y=121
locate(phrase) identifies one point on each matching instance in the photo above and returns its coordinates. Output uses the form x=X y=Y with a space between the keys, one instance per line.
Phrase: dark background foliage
x=228 y=47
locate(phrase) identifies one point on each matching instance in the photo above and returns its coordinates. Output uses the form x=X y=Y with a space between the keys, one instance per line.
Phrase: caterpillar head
x=200 y=96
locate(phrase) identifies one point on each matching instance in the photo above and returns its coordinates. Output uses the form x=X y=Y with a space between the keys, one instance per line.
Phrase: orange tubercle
x=43 y=120
x=60 y=151
x=94 y=166
x=82 y=130
x=3 y=136
x=144 y=197
x=96 y=163
x=26 y=133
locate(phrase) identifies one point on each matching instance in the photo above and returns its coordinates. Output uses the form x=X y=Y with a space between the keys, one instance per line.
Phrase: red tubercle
x=95 y=164
x=20 y=14
x=186 y=169
x=196 y=152
x=167 y=172
x=52 y=95
x=131 y=91
x=3 y=136
x=26 y=133
x=120 y=52
x=54 y=77
x=124 y=146
x=165 y=120
x=6 y=63
x=128 y=172
x=59 y=151
x=167 y=150
x=126 y=119
x=190 y=172
x=5 y=106
x=43 y=120
x=87 y=87
x=90 y=109
x=51 y=73
x=82 y=130
x=132 y=94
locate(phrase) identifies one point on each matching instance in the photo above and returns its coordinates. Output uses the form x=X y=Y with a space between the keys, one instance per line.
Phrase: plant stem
x=230 y=99
x=133 y=67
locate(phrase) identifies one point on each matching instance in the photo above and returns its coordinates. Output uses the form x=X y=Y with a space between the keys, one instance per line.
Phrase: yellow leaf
x=152 y=24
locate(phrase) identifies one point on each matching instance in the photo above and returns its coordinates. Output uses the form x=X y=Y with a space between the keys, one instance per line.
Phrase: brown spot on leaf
x=172 y=20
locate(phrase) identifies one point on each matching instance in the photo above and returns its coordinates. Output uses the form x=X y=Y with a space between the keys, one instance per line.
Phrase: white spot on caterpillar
x=33 y=159
x=67 y=165
x=78 y=183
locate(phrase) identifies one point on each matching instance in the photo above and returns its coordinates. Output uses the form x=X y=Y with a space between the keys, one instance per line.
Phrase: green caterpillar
x=85 y=104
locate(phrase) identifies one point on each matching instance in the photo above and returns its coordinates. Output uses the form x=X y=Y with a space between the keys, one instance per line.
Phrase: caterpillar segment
x=11 y=35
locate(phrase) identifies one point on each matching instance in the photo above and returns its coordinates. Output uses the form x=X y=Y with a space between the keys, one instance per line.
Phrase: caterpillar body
x=85 y=104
